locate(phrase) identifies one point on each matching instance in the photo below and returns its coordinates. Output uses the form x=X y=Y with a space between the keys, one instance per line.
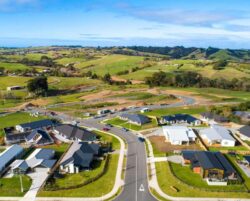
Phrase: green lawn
x=178 y=110
x=118 y=122
x=166 y=180
x=14 y=66
x=10 y=187
x=108 y=138
x=97 y=188
x=185 y=174
x=236 y=148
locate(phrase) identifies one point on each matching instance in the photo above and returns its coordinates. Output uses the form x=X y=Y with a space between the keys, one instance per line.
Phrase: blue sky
x=218 y=23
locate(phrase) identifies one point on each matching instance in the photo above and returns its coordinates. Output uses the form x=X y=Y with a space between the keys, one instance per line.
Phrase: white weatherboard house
x=217 y=134
x=179 y=135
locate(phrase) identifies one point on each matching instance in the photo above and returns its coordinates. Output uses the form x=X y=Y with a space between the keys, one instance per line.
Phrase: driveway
x=245 y=169
x=38 y=178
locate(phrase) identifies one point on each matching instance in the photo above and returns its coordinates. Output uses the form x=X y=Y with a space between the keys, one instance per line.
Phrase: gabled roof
x=217 y=132
x=245 y=130
x=180 y=117
x=80 y=154
x=216 y=117
x=138 y=118
x=20 y=164
x=242 y=114
x=9 y=154
x=178 y=133
x=45 y=137
x=73 y=132
x=37 y=124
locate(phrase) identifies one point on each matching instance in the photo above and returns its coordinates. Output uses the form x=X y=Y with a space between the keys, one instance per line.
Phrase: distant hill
x=180 y=52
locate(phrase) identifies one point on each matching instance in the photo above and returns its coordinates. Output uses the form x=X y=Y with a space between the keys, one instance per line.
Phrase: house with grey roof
x=211 y=117
x=243 y=115
x=41 y=160
x=19 y=167
x=79 y=157
x=244 y=133
x=180 y=119
x=8 y=156
x=39 y=137
x=45 y=123
x=74 y=133
x=137 y=119
x=217 y=134
x=212 y=166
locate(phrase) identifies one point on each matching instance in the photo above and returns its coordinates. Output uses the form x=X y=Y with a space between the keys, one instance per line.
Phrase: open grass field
x=97 y=188
x=110 y=64
x=170 y=111
x=125 y=124
x=14 y=66
x=11 y=187
x=166 y=179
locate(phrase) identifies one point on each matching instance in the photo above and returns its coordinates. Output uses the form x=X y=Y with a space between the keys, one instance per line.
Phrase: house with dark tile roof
x=210 y=165
x=180 y=119
x=39 y=137
x=244 y=133
x=79 y=157
x=209 y=116
x=45 y=123
x=74 y=133
x=137 y=119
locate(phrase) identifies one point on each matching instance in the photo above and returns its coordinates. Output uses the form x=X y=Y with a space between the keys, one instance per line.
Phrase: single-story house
x=210 y=165
x=19 y=167
x=244 y=133
x=74 y=133
x=137 y=119
x=9 y=155
x=217 y=134
x=14 y=88
x=79 y=157
x=243 y=115
x=179 y=135
x=180 y=119
x=209 y=116
x=13 y=137
x=46 y=123
x=41 y=160
x=39 y=137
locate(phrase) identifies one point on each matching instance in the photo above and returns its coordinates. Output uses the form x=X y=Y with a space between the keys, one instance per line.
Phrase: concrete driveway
x=38 y=178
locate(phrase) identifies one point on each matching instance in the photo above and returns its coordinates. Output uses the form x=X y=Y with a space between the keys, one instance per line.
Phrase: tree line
x=194 y=79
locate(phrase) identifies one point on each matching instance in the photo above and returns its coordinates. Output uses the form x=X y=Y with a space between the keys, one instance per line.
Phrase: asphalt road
x=136 y=182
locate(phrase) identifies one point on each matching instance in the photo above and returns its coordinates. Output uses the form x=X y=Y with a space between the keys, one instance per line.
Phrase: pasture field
x=14 y=66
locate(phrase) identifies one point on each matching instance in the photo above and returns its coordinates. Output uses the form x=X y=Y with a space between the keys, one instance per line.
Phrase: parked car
x=109 y=125
x=105 y=129
x=141 y=139
x=125 y=129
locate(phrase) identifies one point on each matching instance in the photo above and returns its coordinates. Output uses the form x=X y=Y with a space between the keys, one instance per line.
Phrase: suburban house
x=212 y=166
x=137 y=119
x=41 y=160
x=74 y=133
x=39 y=137
x=12 y=88
x=179 y=135
x=46 y=123
x=243 y=115
x=79 y=157
x=19 y=167
x=180 y=119
x=244 y=133
x=9 y=155
x=217 y=134
x=214 y=118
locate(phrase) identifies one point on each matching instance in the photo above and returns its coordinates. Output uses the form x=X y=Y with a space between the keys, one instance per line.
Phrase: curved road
x=136 y=186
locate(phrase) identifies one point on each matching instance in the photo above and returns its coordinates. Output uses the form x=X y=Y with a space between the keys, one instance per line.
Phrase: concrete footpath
x=153 y=183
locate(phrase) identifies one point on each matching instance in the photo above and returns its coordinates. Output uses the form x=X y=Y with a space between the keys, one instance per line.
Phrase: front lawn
x=108 y=138
x=118 y=122
x=11 y=187
x=97 y=188
x=236 y=148
x=166 y=179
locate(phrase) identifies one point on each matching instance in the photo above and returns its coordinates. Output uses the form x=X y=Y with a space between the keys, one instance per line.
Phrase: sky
x=199 y=23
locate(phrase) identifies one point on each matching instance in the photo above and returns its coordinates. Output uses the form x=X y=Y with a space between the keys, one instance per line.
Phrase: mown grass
x=11 y=187
x=97 y=188
x=166 y=180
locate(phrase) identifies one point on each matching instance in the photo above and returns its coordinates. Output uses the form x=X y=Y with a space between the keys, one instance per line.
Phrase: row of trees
x=44 y=61
x=193 y=79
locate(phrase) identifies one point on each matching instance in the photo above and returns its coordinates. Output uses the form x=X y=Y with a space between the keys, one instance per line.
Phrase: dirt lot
x=162 y=146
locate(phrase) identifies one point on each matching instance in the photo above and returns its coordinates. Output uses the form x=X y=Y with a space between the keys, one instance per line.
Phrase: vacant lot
x=161 y=147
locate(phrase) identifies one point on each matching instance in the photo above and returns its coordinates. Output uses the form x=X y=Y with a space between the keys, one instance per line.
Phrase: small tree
x=38 y=86
x=107 y=78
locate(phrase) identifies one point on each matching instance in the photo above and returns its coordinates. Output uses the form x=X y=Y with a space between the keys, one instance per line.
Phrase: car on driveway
x=109 y=125
x=141 y=139
x=105 y=129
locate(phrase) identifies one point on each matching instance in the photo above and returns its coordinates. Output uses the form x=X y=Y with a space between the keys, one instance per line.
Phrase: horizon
x=223 y=24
